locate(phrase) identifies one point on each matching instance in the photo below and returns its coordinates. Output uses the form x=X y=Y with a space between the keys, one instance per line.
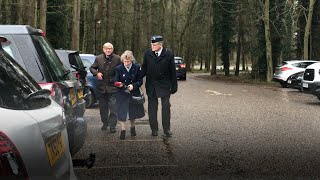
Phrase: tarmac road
x=225 y=130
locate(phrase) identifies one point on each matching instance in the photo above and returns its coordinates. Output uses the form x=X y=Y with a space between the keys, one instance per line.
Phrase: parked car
x=31 y=50
x=311 y=80
x=295 y=80
x=33 y=136
x=287 y=68
x=88 y=60
x=180 y=68
x=73 y=62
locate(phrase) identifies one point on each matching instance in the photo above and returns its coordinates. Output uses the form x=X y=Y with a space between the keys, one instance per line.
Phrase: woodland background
x=245 y=33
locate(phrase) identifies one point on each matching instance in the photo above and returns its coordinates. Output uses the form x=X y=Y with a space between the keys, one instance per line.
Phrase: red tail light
x=11 y=164
x=285 y=69
x=183 y=65
x=56 y=93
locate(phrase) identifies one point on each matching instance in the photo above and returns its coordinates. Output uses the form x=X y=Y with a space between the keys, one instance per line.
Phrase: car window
x=296 y=64
x=16 y=85
x=29 y=57
x=50 y=58
x=75 y=60
x=178 y=61
x=283 y=63
x=86 y=63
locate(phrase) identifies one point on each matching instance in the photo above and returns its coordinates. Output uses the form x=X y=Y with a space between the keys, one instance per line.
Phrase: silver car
x=33 y=136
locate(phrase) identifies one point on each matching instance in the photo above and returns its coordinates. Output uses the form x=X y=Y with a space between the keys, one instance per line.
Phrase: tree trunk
x=240 y=34
x=136 y=32
x=172 y=39
x=109 y=34
x=191 y=8
x=307 y=31
x=268 y=41
x=43 y=15
x=76 y=25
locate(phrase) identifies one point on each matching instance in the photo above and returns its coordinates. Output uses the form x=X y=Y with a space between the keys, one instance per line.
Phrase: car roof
x=298 y=61
x=18 y=29
x=313 y=65
x=66 y=51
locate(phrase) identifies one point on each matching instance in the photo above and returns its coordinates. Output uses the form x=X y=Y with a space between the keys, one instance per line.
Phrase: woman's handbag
x=138 y=99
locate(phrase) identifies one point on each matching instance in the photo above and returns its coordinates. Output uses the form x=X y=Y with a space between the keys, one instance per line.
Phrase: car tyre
x=284 y=84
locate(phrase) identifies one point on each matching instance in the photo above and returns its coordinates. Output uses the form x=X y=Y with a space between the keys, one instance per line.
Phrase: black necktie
x=156 y=54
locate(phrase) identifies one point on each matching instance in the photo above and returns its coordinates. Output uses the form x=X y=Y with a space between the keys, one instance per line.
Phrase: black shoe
x=104 y=127
x=168 y=133
x=123 y=134
x=113 y=130
x=154 y=133
x=133 y=131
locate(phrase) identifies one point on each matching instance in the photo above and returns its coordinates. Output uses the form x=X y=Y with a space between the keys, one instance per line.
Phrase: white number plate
x=305 y=85
x=289 y=81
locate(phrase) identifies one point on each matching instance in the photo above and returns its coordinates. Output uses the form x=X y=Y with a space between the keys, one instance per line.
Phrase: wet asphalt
x=220 y=130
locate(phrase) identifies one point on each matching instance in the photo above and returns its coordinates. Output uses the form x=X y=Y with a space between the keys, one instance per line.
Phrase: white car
x=288 y=68
x=33 y=136
x=311 y=80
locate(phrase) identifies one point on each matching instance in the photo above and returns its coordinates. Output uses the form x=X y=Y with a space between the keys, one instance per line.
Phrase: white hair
x=127 y=55
x=107 y=45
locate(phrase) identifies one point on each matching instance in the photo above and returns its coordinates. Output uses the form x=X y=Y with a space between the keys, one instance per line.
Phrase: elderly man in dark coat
x=104 y=68
x=161 y=81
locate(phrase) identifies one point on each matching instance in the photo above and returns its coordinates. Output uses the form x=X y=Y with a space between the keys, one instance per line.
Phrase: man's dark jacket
x=107 y=67
x=160 y=73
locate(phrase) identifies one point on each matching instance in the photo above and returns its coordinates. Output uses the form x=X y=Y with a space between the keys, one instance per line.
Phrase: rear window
x=178 y=60
x=50 y=59
x=75 y=60
x=86 y=64
x=17 y=86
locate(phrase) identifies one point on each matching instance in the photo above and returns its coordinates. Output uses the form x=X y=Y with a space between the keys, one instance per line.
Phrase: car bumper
x=80 y=108
x=294 y=83
x=181 y=73
x=77 y=131
x=311 y=88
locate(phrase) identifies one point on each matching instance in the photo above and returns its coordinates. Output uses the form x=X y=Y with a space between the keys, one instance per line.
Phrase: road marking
x=217 y=93
x=130 y=166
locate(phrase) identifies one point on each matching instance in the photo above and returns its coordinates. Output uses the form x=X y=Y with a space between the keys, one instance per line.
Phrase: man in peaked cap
x=161 y=81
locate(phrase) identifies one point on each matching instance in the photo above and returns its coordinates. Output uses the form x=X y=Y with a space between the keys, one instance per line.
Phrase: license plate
x=80 y=93
x=73 y=97
x=55 y=148
x=305 y=85
x=289 y=81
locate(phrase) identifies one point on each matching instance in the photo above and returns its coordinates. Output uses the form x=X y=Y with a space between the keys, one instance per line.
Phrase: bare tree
x=268 y=41
x=308 y=30
x=76 y=25
x=43 y=15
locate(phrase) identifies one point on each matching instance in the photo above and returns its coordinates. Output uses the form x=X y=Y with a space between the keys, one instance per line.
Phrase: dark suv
x=30 y=49
x=180 y=68
x=73 y=62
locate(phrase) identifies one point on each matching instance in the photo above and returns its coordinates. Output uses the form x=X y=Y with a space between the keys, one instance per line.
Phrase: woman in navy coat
x=128 y=79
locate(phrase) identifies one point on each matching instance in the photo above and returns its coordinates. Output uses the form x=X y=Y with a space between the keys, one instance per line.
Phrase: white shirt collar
x=128 y=68
x=159 y=52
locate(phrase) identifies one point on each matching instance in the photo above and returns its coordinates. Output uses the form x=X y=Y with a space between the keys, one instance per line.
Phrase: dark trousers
x=153 y=110
x=108 y=113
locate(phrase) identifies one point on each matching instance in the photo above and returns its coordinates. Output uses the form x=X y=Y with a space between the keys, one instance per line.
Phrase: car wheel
x=284 y=84
x=91 y=99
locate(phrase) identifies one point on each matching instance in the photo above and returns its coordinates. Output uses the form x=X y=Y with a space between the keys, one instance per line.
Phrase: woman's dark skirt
x=124 y=106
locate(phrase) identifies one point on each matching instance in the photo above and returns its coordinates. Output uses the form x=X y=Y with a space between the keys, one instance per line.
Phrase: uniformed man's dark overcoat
x=160 y=73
